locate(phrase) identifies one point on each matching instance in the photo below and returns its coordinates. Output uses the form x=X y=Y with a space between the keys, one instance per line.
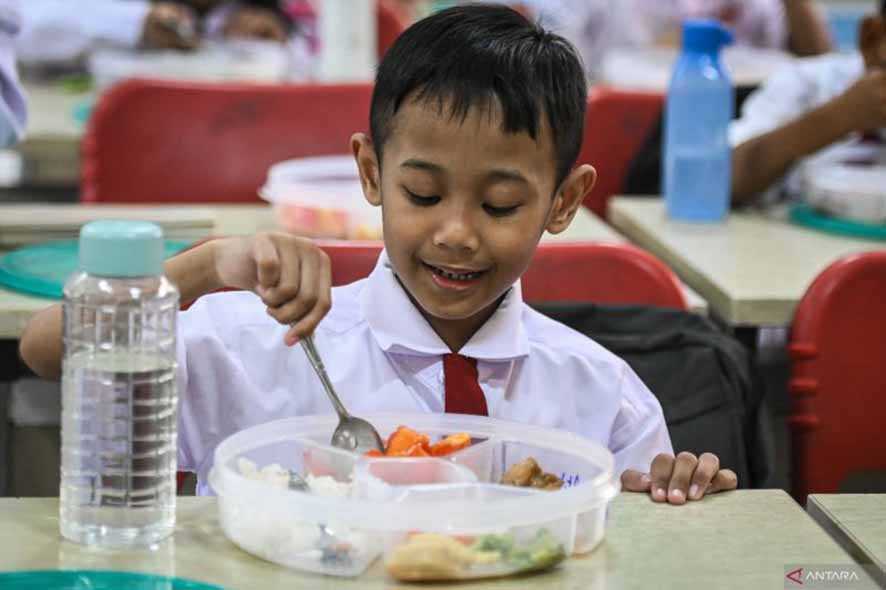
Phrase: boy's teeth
x=455 y=276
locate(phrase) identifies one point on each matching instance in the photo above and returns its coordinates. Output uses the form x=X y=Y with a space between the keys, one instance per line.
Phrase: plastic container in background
x=322 y=198
x=699 y=107
x=119 y=398
x=434 y=518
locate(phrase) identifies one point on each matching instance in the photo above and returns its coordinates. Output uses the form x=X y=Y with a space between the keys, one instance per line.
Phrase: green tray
x=802 y=214
x=95 y=580
x=42 y=269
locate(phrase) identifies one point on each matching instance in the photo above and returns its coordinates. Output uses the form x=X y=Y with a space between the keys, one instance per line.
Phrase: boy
x=818 y=110
x=476 y=122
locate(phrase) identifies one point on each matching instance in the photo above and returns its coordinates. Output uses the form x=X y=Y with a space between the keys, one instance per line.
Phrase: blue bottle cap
x=705 y=35
x=111 y=248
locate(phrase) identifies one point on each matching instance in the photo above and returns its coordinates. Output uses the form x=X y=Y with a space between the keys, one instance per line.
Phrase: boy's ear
x=367 y=164
x=569 y=198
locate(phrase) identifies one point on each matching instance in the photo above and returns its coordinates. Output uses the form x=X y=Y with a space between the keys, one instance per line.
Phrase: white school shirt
x=795 y=89
x=235 y=372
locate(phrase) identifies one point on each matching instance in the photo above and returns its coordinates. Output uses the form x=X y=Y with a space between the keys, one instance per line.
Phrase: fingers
x=315 y=297
x=303 y=293
x=708 y=466
x=267 y=265
x=660 y=473
x=725 y=480
x=635 y=481
x=684 y=468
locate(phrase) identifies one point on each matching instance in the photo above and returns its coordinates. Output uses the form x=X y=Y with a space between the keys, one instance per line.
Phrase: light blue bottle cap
x=705 y=35
x=111 y=248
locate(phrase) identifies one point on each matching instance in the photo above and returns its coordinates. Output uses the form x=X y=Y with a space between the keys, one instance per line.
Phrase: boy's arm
x=762 y=160
x=807 y=32
x=193 y=272
x=291 y=275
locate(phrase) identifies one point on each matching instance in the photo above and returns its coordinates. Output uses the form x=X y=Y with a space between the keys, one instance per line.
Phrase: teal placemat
x=805 y=215
x=42 y=269
x=95 y=580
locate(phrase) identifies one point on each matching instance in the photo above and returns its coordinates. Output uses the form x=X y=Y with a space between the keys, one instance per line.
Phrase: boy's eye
x=500 y=211
x=422 y=200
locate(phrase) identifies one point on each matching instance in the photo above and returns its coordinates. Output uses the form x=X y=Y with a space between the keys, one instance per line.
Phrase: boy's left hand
x=677 y=479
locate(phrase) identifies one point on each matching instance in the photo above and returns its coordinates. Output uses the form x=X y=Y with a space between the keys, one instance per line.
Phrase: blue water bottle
x=700 y=102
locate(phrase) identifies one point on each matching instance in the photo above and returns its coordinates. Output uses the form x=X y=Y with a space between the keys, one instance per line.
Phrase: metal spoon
x=352 y=433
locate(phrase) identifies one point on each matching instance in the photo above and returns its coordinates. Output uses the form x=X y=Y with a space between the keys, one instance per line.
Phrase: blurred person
x=59 y=31
x=595 y=26
x=12 y=102
x=812 y=113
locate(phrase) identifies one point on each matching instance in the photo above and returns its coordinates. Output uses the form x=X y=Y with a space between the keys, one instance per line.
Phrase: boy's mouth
x=453 y=278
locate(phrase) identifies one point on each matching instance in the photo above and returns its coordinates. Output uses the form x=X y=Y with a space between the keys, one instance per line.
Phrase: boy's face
x=872 y=41
x=464 y=205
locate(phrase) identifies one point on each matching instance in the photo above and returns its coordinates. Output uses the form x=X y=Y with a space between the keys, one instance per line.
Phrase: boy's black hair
x=470 y=56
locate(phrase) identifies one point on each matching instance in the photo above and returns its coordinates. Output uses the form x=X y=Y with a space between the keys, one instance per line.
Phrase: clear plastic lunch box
x=321 y=197
x=428 y=518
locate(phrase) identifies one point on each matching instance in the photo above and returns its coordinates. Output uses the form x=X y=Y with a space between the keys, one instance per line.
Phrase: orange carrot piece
x=450 y=444
x=403 y=439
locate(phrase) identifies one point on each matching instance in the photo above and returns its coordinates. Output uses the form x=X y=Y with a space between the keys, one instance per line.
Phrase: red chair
x=390 y=24
x=616 y=125
x=152 y=141
x=598 y=272
x=838 y=383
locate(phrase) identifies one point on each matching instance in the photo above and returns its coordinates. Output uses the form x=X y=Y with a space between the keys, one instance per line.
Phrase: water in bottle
x=119 y=394
x=700 y=102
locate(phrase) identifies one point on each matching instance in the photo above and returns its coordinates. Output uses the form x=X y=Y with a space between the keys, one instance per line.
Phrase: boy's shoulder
x=563 y=343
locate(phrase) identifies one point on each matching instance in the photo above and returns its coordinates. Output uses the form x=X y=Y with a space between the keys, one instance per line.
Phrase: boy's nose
x=456 y=232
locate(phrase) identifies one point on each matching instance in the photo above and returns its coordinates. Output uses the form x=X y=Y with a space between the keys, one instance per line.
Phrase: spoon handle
x=307 y=344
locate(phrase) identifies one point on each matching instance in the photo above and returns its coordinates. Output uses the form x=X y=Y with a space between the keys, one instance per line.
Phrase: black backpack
x=703 y=378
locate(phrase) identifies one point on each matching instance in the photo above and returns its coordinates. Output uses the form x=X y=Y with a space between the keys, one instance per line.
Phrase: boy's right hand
x=292 y=276
x=864 y=103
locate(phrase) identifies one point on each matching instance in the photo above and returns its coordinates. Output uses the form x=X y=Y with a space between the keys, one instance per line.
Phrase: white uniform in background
x=12 y=102
x=792 y=91
x=595 y=26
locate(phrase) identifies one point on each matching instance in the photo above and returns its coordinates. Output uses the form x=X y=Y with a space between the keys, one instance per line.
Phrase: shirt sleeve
x=53 y=31
x=639 y=432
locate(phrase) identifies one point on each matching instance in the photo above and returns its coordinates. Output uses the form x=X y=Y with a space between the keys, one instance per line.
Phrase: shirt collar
x=399 y=327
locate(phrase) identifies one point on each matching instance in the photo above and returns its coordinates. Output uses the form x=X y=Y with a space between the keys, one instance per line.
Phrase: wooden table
x=739 y=540
x=752 y=270
x=16 y=309
x=858 y=523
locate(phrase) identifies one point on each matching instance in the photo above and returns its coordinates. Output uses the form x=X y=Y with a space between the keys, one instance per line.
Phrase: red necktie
x=463 y=394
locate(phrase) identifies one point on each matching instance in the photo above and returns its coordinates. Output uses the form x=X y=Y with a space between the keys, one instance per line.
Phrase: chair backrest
x=152 y=141
x=596 y=272
x=838 y=382
x=616 y=125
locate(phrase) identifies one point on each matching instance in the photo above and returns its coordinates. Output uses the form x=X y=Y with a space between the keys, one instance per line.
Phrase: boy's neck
x=455 y=333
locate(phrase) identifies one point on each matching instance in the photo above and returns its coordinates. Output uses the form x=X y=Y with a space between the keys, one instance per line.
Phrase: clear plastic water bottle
x=119 y=398
x=700 y=102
